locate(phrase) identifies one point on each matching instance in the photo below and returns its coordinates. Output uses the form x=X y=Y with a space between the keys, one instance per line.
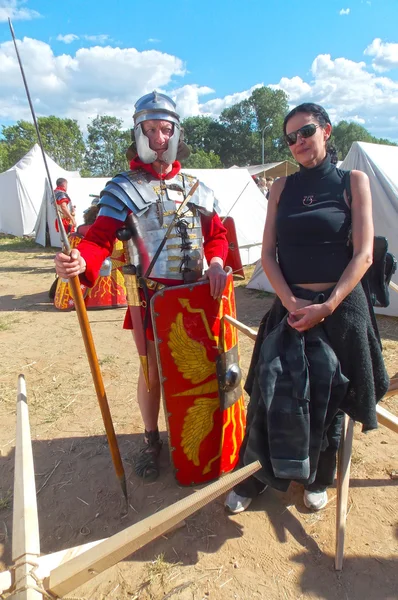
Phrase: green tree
x=4 y=160
x=62 y=140
x=236 y=137
x=269 y=110
x=19 y=139
x=203 y=133
x=345 y=133
x=239 y=139
x=106 y=146
x=202 y=160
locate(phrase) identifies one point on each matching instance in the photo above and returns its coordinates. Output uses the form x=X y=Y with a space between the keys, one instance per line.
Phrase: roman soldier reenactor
x=168 y=223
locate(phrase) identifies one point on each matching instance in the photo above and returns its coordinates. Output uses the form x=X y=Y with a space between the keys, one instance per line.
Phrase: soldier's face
x=158 y=134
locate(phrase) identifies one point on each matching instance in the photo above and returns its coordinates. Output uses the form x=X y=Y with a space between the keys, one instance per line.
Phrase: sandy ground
x=276 y=550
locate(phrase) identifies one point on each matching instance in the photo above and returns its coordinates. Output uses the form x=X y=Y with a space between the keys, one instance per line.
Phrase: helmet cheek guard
x=146 y=154
x=171 y=153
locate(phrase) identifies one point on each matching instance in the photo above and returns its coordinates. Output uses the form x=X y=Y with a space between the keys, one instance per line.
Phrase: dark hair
x=61 y=181
x=320 y=115
x=91 y=214
x=309 y=108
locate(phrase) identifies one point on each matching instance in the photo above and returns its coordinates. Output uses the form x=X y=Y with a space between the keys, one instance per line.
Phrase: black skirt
x=353 y=335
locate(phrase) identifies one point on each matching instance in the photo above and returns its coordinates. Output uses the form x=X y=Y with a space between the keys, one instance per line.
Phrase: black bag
x=384 y=264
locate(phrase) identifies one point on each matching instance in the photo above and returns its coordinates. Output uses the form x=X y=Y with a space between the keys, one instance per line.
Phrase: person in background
x=65 y=206
x=269 y=182
x=262 y=186
x=318 y=351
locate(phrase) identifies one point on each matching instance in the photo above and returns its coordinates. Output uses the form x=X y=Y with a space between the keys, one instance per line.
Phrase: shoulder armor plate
x=126 y=192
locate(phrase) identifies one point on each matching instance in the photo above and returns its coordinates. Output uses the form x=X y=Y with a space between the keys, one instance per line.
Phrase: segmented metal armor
x=155 y=203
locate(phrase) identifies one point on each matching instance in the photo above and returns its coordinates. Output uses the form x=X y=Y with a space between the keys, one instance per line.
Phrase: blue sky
x=84 y=57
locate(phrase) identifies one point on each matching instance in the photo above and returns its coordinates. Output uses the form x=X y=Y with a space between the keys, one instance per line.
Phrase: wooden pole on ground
x=343 y=484
x=242 y=327
x=387 y=419
x=25 y=523
x=393 y=286
x=85 y=567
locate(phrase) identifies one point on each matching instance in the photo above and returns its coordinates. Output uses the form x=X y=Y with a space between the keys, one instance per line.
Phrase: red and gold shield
x=233 y=259
x=194 y=343
x=108 y=291
x=63 y=298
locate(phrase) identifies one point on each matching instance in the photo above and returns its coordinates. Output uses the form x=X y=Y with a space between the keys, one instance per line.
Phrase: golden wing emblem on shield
x=198 y=423
x=191 y=360
x=189 y=355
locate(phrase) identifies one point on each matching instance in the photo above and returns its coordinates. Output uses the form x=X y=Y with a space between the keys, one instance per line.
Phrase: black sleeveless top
x=312 y=225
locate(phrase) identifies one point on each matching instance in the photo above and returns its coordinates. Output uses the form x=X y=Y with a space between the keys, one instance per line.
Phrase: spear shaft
x=81 y=311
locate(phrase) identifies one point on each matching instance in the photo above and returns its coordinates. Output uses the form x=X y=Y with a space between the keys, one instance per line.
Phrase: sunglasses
x=304 y=132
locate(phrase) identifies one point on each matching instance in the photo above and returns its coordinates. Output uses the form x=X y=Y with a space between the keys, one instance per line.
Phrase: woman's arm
x=362 y=241
x=268 y=254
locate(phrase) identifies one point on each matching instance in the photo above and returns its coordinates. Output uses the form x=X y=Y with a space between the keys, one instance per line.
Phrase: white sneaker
x=315 y=500
x=235 y=503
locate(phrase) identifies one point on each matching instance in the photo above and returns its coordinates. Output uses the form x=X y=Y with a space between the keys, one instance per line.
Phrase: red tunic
x=99 y=241
x=67 y=223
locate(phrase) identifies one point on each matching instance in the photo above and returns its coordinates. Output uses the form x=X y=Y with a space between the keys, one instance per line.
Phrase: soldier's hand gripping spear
x=81 y=311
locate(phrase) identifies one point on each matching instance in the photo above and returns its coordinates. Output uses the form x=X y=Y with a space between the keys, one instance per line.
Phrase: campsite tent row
x=25 y=202
x=25 y=206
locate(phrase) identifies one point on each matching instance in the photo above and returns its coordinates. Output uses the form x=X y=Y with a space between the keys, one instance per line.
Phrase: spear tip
x=145 y=369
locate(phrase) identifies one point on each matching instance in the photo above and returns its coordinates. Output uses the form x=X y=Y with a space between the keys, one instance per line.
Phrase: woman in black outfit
x=318 y=351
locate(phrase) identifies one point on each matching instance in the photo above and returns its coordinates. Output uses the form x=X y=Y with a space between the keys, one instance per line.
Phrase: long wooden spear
x=80 y=307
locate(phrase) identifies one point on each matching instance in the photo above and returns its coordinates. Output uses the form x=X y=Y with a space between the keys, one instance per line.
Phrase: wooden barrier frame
x=34 y=577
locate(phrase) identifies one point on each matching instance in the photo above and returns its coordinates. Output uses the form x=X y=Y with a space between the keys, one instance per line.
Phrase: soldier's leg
x=146 y=460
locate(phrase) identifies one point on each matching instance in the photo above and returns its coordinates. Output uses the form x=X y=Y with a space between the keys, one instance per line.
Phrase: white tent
x=25 y=200
x=379 y=162
x=80 y=190
x=238 y=197
x=23 y=192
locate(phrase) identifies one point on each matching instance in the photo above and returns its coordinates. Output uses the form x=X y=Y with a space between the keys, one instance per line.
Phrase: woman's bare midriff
x=316 y=287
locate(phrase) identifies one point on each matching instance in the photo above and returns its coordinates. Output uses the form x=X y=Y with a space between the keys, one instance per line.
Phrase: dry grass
x=5 y=500
x=248 y=271
x=8 y=321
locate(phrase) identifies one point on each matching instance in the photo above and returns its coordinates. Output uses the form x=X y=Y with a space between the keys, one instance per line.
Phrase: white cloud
x=385 y=55
x=187 y=99
x=153 y=41
x=15 y=10
x=81 y=85
x=68 y=38
x=344 y=11
x=72 y=37
x=348 y=91
x=99 y=39
x=214 y=107
x=109 y=80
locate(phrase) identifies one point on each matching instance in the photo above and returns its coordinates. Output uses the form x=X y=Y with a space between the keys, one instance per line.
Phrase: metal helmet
x=156 y=106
